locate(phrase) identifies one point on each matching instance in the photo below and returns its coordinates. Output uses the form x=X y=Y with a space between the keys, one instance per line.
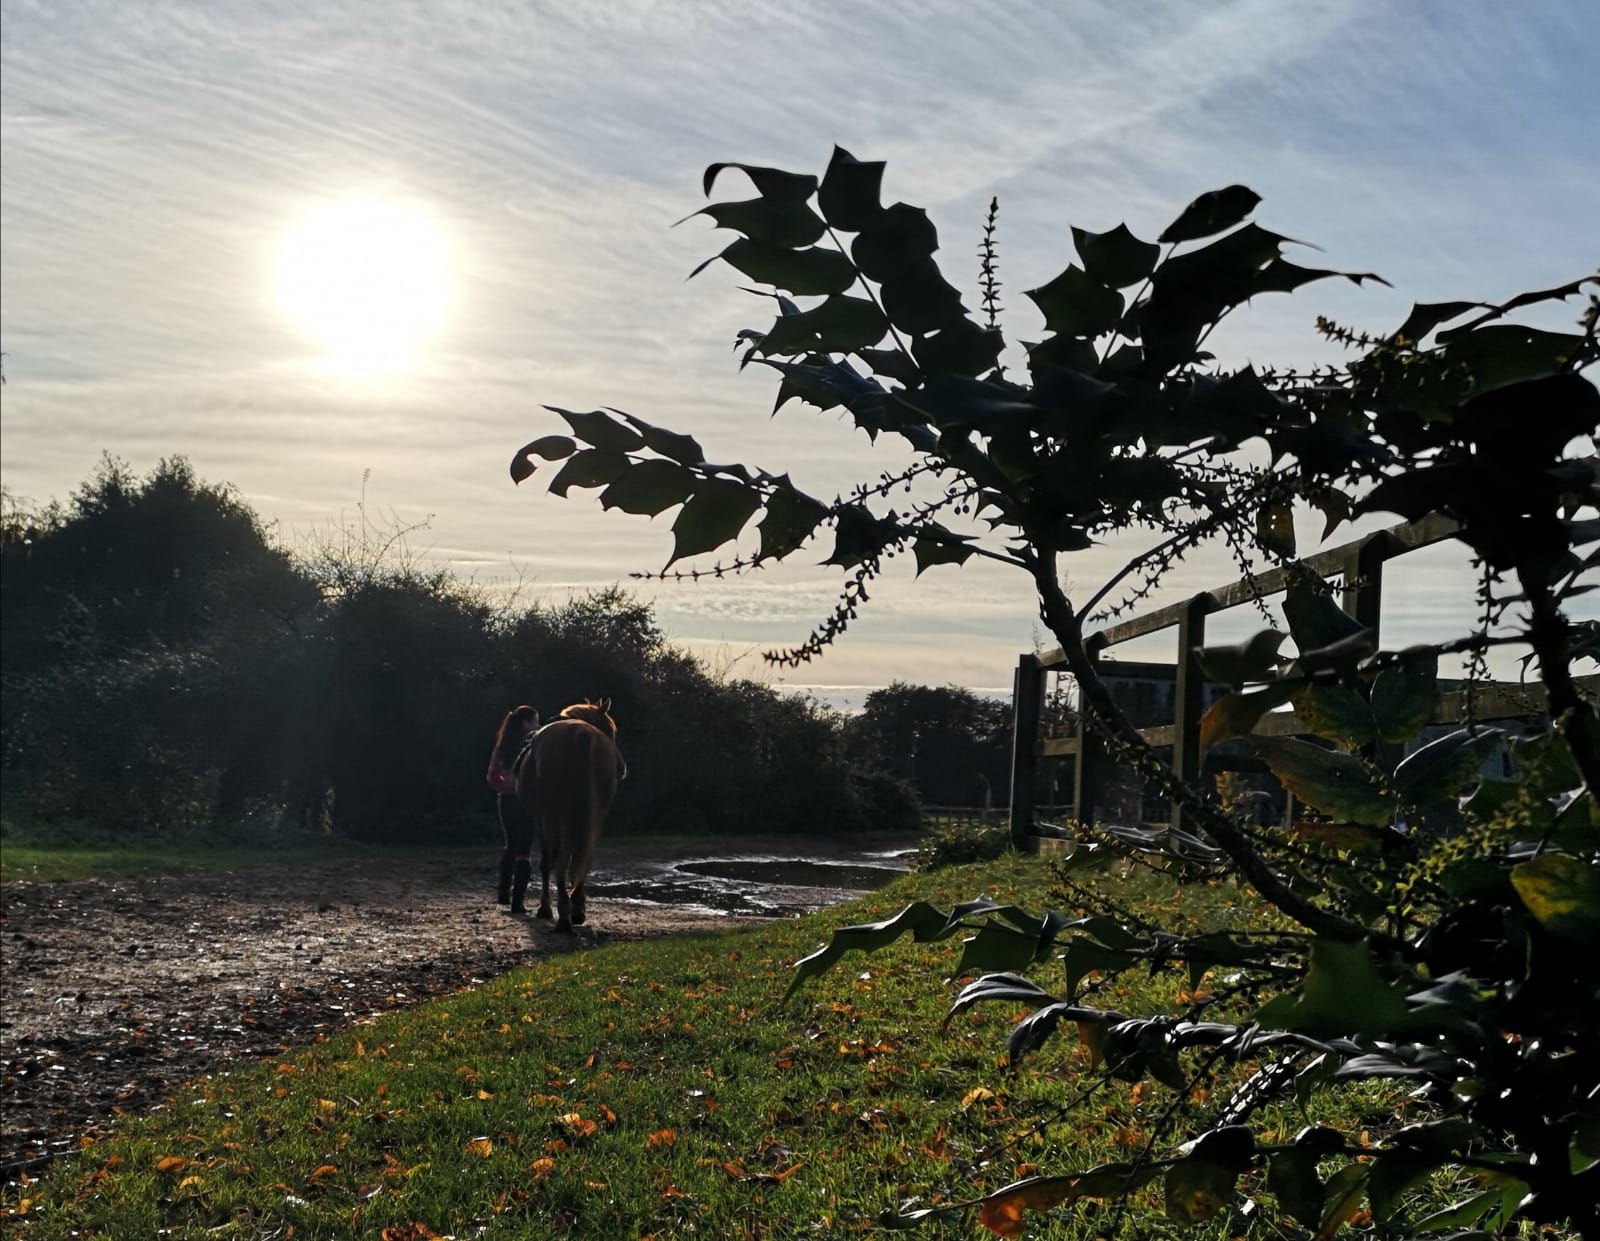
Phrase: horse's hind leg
x=544 y=877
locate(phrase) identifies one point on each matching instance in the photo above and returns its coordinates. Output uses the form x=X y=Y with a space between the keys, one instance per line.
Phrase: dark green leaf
x=680 y=448
x=1292 y=1178
x=1084 y=955
x=1342 y=1198
x=849 y=192
x=1404 y=697
x=550 y=447
x=1282 y=276
x=1275 y=528
x=920 y=300
x=1231 y=1146
x=999 y=947
x=1563 y=893
x=1315 y=620
x=1212 y=212
x=933 y=551
x=1440 y=768
x=1236 y=714
x=922 y=921
x=892 y=364
x=1394 y=1172
x=1341 y=785
x=769 y=182
x=593 y=467
x=839 y=325
x=857 y=535
x=959 y=348
x=1235 y=664
x=769 y=221
x=1116 y=259
x=1425 y=316
x=958 y=402
x=1343 y=994
x=790 y=518
x=599 y=429
x=1195 y=1190
x=894 y=241
x=822 y=382
x=1074 y=304
x=811 y=271
x=649 y=487
x=712 y=516
x=1339 y=714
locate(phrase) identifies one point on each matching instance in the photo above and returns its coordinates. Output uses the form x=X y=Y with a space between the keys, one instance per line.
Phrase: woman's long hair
x=508 y=741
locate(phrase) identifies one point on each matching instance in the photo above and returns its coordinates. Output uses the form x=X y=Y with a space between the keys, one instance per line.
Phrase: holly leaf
x=848 y=195
x=550 y=447
x=649 y=487
x=1210 y=213
x=712 y=516
x=1115 y=259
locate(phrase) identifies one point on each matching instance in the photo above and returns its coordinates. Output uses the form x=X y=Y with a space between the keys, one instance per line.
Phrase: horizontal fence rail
x=1358 y=564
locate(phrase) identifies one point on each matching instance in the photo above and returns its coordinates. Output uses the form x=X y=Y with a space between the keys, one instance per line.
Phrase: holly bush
x=1431 y=927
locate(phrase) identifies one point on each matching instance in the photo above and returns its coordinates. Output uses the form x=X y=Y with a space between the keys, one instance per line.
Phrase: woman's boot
x=519 y=884
x=502 y=895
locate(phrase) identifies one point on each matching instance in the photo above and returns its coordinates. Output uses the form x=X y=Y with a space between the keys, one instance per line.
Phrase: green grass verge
x=639 y=1089
x=46 y=864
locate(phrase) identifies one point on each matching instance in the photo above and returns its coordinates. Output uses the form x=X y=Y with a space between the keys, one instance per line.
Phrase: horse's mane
x=595 y=713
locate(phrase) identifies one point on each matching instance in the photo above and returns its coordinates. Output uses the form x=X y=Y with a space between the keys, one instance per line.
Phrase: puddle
x=772 y=887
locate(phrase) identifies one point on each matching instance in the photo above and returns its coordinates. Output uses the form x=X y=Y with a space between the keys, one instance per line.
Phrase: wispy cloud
x=155 y=153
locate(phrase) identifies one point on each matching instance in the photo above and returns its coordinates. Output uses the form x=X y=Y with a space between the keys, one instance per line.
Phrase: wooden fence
x=1357 y=565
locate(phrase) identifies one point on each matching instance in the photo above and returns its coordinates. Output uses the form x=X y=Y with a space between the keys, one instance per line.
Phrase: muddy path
x=115 y=992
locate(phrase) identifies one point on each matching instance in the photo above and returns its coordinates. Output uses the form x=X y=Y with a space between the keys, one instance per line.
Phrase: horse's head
x=592 y=711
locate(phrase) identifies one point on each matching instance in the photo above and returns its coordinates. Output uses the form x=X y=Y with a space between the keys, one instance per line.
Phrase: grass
x=640 y=1089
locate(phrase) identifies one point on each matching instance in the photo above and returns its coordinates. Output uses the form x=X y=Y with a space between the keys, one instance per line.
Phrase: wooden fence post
x=1088 y=770
x=1027 y=696
x=1189 y=694
x=1363 y=579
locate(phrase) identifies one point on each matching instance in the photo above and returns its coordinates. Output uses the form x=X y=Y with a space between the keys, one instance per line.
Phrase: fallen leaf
x=479 y=1146
x=662 y=1137
x=170 y=1163
x=541 y=1166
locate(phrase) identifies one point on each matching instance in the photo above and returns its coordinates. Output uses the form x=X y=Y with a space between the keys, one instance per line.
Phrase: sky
x=156 y=158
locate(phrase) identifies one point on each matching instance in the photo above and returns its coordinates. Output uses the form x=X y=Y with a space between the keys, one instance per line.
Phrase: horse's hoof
x=518 y=910
x=504 y=898
x=544 y=912
x=579 y=919
x=562 y=928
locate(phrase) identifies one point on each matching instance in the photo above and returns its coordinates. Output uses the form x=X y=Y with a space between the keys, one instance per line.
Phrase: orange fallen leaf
x=607 y=1115
x=479 y=1146
x=1001 y=1212
x=322 y=1170
x=191 y=1179
x=662 y=1137
x=171 y=1163
x=976 y=1095
x=541 y=1166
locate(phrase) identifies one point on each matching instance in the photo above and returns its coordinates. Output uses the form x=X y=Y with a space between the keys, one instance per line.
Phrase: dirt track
x=115 y=992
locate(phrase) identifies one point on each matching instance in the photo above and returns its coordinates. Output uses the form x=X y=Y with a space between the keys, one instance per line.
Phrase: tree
x=1123 y=425
x=953 y=746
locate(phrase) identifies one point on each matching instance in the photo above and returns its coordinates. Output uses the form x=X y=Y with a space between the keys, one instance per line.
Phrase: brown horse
x=567 y=784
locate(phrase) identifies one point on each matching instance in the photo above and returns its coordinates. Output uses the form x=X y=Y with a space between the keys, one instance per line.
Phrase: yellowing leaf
x=1002 y=1210
x=662 y=1137
x=976 y=1095
x=541 y=1166
x=171 y=1163
x=191 y=1179
x=481 y=1147
x=322 y=1170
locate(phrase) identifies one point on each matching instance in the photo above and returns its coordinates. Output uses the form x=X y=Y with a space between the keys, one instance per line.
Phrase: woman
x=516 y=859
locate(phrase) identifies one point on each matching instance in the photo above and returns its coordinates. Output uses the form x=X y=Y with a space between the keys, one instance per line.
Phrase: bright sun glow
x=367 y=279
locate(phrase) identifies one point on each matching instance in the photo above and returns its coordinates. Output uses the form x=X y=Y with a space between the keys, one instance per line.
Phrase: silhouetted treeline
x=167 y=666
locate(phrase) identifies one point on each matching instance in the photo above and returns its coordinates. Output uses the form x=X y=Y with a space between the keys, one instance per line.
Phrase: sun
x=367 y=279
